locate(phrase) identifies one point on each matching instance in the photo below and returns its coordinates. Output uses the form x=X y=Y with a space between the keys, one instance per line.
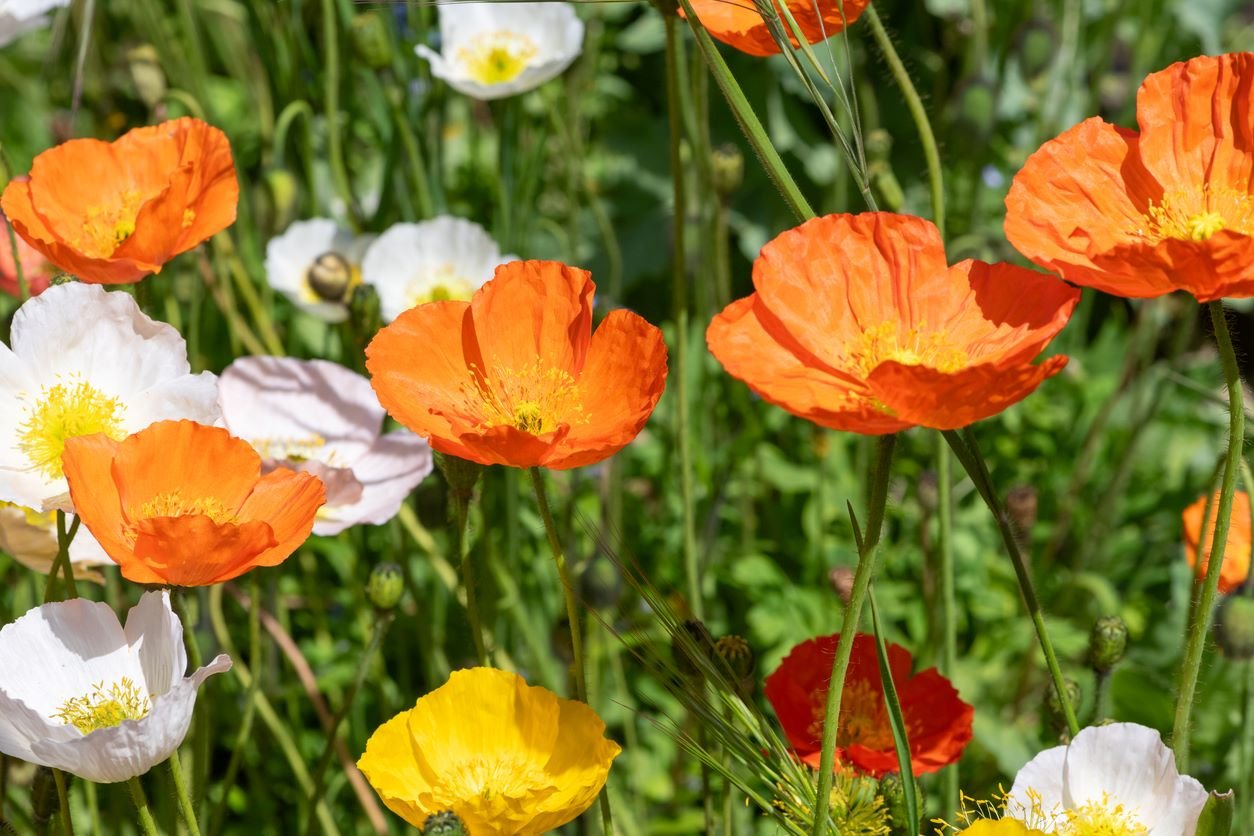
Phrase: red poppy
x=938 y=723
x=1143 y=214
x=738 y=23
x=859 y=324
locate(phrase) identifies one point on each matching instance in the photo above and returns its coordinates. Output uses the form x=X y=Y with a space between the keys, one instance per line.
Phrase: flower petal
x=155 y=635
x=392 y=468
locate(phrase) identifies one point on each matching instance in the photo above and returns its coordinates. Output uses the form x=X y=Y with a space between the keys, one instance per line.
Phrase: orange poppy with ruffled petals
x=1143 y=214
x=1236 y=565
x=113 y=212
x=858 y=324
x=738 y=23
x=183 y=504
x=937 y=722
x=516 y=375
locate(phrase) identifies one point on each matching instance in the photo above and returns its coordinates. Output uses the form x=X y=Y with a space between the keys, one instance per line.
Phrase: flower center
x=497 y=57
x=915 y=347
x=1101 y=818
x=1197 y=215
x=295 y=450
x=863 y=717
x=173 y=504
x=105 y=228
x=536 y=399
x=439 y=284
x=103 y=708
x=65 y=411
x=332 y=277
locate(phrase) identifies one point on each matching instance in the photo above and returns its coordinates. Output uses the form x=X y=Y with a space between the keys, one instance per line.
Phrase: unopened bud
x=330 y=277
x=62 y=278
x=893 y=791
x=878 y=143
x=43 y=795
x=1234 y=627
x=727 y=170
x=363 y=309
x=842 y=581
x=460 y=474
x=1038 y=45
x=887 y=187
x=741 y=661
x=386 y=586
x=1021 y=505
x=977 y=107
x=1107 y=643
x=684 y=651
x=144 y=63
x=1053 y=707
x=444 y=824
x=372 y=43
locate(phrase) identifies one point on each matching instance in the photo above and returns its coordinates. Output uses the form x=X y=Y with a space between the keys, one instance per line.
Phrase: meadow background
x=330 y=113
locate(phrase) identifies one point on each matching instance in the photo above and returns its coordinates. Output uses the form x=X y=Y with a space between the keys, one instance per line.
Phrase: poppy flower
x=516 y=376
x=443 y=258
x=321 y=418
x=84 y=360
x=182 y=504
x=316 y=264
x=494 y=50
x=1143 y=214
x=738 y=23
x=81 y=693
x=503 y=756
x=938 y=723
x=113 y=212
x=1236 y=565
x=858 y=324
x=1117 y=778
x=36 y=270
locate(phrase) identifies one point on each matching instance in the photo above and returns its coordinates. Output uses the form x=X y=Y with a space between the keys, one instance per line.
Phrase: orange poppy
x=113 y=212
x=183 y=504
x=738 y=23
x=1143 y=214
x=1236 y=565
x=516 y=376
x=937 y=722
x=858 y=324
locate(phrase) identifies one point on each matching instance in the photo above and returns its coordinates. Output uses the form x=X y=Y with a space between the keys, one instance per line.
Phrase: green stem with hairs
x=1191 y=665
x=867 y=552
x=183 y=796
x=950 y=785
x=146 y=822
x=61 y=565
x=63 y=801
x=461 y=522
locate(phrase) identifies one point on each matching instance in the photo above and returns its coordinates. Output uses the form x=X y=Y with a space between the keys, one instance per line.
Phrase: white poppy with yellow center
x=81 y=693
x=1113 y=780
x=83 y=360
x=316 y=264
x=494 y=50
x=440 y=259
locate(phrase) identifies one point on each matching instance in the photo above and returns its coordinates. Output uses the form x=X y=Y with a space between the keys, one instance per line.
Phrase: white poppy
x=317 y=264
x=443 y=258
x=30 y=537
x=321 y=418
x=79 y=692
x=494 y=50
x=1117 y=778
x=20 y=16
x=83 y=360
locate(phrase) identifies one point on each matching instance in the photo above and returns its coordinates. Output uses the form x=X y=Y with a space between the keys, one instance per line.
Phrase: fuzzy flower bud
x=1234 y=627
x=728 y=170
x=386 y=586
x=1053 y=708
x=1021 y=505
x=741 y=661
x=1107 y=643
x=461 y=475
x=841 y=579
x=444 y=824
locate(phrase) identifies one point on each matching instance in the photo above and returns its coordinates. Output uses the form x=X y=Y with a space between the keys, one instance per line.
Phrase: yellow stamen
x=102 y=709
x=174 y=505
x=535 y=399
x=292 y=449
x=105 y=228
x=863 y=717
x=497 y=57
x=1197 y=215
x=1101 y=818
x=913 y=347
x=439 y=284
x=65 y=411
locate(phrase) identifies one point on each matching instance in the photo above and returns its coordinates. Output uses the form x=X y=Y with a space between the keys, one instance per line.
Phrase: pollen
x=917 y=346
x=497 y=57
x=1101 y=818
x=103 y=708
x=863 y=717
x=105 y=228
x=65 y=411
x=173 y=504
x=439 y=284
x=535 y=399
x=1198 y=215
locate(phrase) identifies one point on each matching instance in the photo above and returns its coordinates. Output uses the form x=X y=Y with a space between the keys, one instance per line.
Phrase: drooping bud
x=1021 y=505
x=727 y=170
x=741 y=661
x=330 y=277
x=144 y=63
x=386 y=586
x=372 y=43
x=1234 y=627
x=842 y=581
x=444 y=824
x=684 y=651
x=1053 y=707
x=1107 y=643
x=460 y=474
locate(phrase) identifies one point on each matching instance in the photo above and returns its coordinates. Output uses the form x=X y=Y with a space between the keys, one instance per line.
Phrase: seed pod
x=1053 y=708
x=330 y=277
x=461 y=475
x=372 y=43
x=444 y=824
x=386 y=586
x=1107 y=643
x=1234 y=628
x=727 y=170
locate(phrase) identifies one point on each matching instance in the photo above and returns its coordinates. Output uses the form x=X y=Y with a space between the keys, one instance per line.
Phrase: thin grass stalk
x=331 y=102
x=877 y=502
x=80 y=61
x=950 y=784
x=896 y=718
x=461 y=523
x=1191 y=665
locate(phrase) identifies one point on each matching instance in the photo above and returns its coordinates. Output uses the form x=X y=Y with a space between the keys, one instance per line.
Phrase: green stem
x=63 y=799
x=413 y=154
x=243 y=734
x=949 y=609
x=918 y=113
x=901 y=741
x=877 y=500
x=1101 y=700
x=23 y=289
x=61 y=565
x=969 y=455
x=1245 y=798
x=331 y=98
x=146 y=822
x=80 y=61
x=1191 y=665
x=746 y=118
x=461 y=521
x=184 y=797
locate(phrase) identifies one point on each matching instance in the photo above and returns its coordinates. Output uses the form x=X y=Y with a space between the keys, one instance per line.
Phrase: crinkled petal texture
x=938 y=723
x=506 y=757
x=494 y=50
x=1236 y=565
x=516 y=376
x=1143 y=214
x=739 y=24
x=85 y=360
x=1120 y=773
x=290 y=256
x=183 y=504
x=858 y=324
x=322 y=418
x=66 y=651
x=113 y=212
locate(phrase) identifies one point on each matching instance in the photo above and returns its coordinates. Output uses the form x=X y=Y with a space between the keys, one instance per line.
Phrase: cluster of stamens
x=174 y=504
x=64 y=411
x=294 y=450
x=105 y=228
x=103 y=708
x=497 y=57
x=1197 y=215
x=536 y=399
x=913 y=347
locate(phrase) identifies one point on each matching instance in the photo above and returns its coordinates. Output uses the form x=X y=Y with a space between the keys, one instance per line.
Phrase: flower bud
x=727 y=170
x=1037 y=48
x=886 y=185
x=444 y=824
x=741 y=661
x=683 y=651
x=1053 y=708
x=461 y=475
x=977 y=107
x=372 y=43
x=878 y=143
x=386 y=586
x=43 y=795
x=893 y=791
x=330 y=277
x=1234 y=627
x=842 y=581
x=1021 y=505
x=363 y=309
x=1107 y=643
x=144 y=64
x=1217 y=815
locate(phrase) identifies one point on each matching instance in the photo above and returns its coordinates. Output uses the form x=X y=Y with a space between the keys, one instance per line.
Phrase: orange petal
x=739 y=24
x=288 y=501
x=1221 y=266
x=1007 y=313
x=508 y=446
x=195 y=551
x=88 y=463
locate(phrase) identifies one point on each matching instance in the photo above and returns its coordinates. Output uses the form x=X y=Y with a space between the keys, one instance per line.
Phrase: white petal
x=289 y=256
x=135 y=746
x=388 y=473
x=194 y=397
x=1038 y=787
x=155 y=635
x=20 y=726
